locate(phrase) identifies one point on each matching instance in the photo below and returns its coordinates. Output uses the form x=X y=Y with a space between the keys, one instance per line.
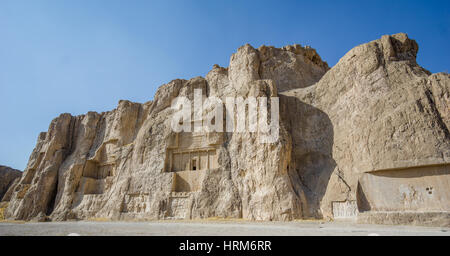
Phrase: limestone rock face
x=7 y=178
x=374 y=112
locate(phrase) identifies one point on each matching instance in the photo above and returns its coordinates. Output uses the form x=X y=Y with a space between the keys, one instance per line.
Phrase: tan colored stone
x=8 y=177
x=375 y=110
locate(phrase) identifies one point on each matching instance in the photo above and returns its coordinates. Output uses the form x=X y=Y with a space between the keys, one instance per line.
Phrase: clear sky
x=85 y=55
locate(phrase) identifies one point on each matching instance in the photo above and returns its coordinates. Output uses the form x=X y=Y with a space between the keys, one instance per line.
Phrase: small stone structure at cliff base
x=367 y=140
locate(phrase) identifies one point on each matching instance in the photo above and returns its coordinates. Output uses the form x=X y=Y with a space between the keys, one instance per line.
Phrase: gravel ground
x=213 y=228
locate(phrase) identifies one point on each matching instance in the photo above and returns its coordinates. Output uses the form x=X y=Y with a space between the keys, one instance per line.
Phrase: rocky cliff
x=7 y=178
x=375 y=110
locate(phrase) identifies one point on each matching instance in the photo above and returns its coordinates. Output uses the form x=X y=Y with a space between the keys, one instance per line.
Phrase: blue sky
x=85 y=55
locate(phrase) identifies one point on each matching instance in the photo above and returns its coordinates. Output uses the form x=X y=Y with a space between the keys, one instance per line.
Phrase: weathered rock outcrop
x=376 y=110
x=7 y=178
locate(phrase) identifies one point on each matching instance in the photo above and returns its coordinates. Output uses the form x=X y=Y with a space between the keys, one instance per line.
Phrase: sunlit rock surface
x=369 y=135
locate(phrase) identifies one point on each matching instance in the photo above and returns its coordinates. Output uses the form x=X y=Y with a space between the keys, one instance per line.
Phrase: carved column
x=198 y=160
x=207 y=157
x=170 y=160
x=190 y=161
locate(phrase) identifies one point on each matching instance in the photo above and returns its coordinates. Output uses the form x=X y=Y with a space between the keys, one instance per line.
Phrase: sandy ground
x=214 y=228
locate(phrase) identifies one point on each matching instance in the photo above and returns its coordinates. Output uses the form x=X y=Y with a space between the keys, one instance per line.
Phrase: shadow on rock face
x=311 y=160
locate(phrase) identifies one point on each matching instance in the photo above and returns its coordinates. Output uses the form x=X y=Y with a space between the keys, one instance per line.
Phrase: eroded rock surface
x=375 y=110
x=7 y=178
